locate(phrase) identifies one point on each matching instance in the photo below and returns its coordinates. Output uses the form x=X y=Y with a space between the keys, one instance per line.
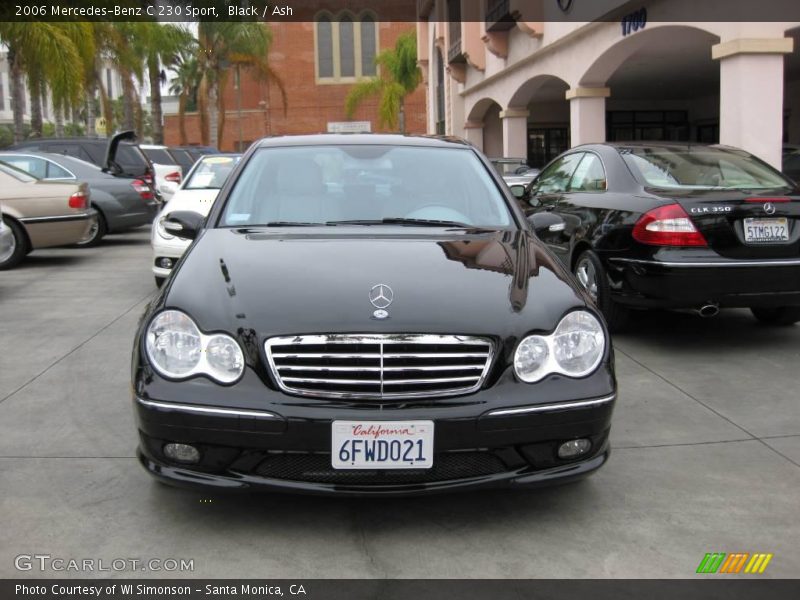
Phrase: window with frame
x=346 y=47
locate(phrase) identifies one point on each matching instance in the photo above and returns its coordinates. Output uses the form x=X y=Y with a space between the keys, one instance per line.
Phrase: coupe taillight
x=174 y=177
x=78 y=200
x=667 y=226
x=145 y=191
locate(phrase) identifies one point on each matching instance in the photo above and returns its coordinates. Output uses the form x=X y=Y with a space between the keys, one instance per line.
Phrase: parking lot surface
x=706 y=458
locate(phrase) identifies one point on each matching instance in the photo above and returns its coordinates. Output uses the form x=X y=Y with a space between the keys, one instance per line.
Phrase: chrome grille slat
x=379 y=366
x=385 y=369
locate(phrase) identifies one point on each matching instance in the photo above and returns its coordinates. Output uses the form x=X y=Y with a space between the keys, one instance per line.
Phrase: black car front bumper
x=474 y=446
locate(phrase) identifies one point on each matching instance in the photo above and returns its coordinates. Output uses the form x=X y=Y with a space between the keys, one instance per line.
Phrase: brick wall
x=309 y=107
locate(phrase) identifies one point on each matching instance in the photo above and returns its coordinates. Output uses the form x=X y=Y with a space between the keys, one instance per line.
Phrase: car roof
x=377 y=139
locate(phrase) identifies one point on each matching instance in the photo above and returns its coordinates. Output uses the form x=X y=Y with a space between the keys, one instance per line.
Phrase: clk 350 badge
x=704 y=210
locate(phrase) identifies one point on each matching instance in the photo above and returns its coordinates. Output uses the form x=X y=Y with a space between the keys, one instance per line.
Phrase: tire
x=159 y=281
x=97 y=232
x=19 y=246
x=592 y=277
x=783 y=315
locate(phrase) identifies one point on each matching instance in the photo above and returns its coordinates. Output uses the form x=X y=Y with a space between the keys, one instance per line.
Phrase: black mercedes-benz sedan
x=369 y=314
x=676 y=226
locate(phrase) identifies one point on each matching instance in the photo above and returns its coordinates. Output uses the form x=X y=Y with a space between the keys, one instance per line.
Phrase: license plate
x=761 y=231
x=382 y=445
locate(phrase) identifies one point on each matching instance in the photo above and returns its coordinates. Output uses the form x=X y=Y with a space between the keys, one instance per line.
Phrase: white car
x=168 y=172
x=197 y=194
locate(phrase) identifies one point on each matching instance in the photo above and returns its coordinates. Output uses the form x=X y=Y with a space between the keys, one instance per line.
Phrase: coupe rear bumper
x=688 y=284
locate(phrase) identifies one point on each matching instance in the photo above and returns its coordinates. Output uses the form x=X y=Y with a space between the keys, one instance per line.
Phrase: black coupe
x=673 y=226
x=369 y=314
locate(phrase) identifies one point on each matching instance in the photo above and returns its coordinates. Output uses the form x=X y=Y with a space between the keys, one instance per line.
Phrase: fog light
x=574 y=448
x=165 y=263
x=182 y=453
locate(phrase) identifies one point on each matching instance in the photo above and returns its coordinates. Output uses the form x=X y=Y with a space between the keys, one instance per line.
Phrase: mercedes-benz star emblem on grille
x=381 y=296
x=769 y=208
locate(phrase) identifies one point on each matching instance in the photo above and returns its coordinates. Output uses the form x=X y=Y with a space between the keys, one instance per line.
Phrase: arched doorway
x=547 y=124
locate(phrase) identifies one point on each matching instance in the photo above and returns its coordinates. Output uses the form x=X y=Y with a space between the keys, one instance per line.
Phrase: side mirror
x=546 y=222
x=184 y=224
x=518 y=190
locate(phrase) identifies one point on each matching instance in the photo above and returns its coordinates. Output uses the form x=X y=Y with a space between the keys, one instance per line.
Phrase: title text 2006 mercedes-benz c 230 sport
x=369 y=314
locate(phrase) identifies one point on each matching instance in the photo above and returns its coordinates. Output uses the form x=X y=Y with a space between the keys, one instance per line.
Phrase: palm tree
x=162 y=46
x=47 y=50
x=399 y=76
x=126 y=46
x=222 y=45
x=184 y=85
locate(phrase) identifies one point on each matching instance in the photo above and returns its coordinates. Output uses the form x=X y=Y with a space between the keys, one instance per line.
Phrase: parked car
x=168 y=171
x=7 y=241
x=791 y=165
x=118 y=155
x=510 y=166
x=121 y=204
x=521 y=178
x=197 y=193
x=41 y=214
x=660 y=225
x=400 y=332
x=183 y=158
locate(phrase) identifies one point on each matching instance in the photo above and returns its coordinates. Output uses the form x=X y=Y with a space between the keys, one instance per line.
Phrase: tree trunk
x=108 y=111
x=213 y=113
x=128 y=100
x=91 y=89
x=58 y=117
x=138 y=115
x=182 y=117
x=222 y=113
x=155 y=101
x=35 y=89
x=402 y=116
x=16 y=94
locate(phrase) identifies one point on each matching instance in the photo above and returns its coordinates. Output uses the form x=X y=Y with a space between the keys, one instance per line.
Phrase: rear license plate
x=764 y=231
x=382 y=445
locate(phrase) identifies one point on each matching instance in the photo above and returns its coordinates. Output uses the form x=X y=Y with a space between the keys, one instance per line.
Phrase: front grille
x=316 y=468
x=379 y=366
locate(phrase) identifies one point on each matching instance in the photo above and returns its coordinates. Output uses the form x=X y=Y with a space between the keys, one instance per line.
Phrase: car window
x=555 y=178
x=700 y=168
x=590 y=176
x=128 y=154
x=211 y=173
x=54 y=171
x=320 y=184
x=30 y=164
x=157 y=155
x=16 y=173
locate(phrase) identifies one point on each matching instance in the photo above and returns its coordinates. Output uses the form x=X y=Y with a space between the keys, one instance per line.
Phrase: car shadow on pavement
x=730 y=330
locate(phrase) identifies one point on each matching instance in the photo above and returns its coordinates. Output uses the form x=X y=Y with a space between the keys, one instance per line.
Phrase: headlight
x=178 y=349
x=160 y=229
x=574 y=349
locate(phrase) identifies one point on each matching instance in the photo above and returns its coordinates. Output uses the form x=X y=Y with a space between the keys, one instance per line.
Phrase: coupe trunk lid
x=746 y=224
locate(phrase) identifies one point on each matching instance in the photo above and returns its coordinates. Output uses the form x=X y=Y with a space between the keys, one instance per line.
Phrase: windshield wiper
x=402 y=221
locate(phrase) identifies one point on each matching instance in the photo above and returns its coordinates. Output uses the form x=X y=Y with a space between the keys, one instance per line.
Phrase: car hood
x=199 y=201
x=498 y=283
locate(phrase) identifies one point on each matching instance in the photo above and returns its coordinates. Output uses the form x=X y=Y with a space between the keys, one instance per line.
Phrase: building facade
x=524 y=78
x=318 y=63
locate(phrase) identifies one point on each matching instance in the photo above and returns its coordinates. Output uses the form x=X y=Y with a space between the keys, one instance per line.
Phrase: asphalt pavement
x=706 y=458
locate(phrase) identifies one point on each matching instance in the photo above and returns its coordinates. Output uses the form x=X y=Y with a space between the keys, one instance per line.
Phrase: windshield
x=700 y=168
x=365 y=183
x=211 y=173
